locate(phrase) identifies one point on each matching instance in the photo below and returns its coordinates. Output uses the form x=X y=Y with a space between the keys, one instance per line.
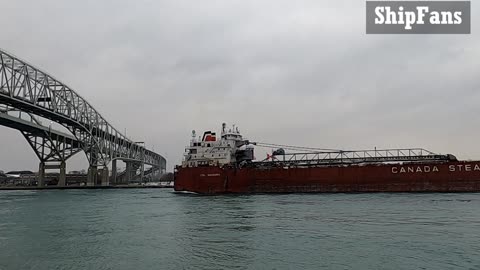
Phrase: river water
x=158 y=229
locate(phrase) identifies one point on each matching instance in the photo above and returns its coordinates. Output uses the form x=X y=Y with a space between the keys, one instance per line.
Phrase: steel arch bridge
x=27 y=93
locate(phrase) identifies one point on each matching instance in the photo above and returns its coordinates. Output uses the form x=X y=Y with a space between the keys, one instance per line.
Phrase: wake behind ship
x=226 y=165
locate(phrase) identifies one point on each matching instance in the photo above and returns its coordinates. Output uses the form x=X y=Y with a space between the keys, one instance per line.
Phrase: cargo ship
x=227 y=164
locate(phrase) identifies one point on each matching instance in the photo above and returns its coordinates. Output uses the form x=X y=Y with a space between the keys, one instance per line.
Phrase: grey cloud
x=291 y=72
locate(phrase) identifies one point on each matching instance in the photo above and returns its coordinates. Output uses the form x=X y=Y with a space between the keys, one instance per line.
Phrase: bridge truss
x=26 y=90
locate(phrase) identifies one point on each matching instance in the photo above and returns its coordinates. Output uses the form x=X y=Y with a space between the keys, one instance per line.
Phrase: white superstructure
x=208 y=151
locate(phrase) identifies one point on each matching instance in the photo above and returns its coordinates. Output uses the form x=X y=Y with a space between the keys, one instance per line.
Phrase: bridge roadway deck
x=39 y=130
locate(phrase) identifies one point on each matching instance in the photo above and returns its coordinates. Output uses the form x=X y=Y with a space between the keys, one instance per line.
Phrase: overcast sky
x=288 y=72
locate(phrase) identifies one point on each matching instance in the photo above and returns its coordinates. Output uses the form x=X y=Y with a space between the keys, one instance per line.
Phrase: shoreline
x=79 y=187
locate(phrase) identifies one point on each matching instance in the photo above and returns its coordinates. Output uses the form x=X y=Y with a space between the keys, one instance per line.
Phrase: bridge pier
x=142 y=172
x=104 y=176
x=114 y=172
x=41 y=174
x=128 y=172
x=92 y=175
x=62 y=178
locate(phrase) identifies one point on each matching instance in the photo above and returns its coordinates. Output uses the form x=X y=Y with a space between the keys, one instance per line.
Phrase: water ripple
x=158 y=229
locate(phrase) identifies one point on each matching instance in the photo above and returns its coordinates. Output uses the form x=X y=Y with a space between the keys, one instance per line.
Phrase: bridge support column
x=128 y=172
x=114 y=172
x=142 y=172
x=41 y=174
x=104 y=176
x=92 y=176
x=62 y=178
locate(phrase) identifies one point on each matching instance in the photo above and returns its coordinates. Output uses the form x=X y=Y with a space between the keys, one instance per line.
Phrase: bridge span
x=28 y=94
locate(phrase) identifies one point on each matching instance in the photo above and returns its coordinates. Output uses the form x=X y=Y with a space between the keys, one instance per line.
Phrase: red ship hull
x=453 y=176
